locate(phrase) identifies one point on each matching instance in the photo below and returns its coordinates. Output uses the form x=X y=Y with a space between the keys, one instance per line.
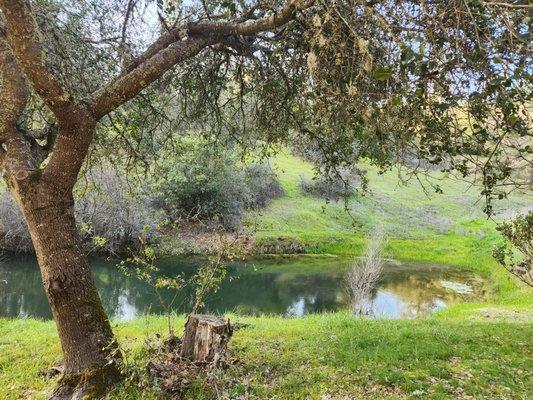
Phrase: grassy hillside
x=447 y=228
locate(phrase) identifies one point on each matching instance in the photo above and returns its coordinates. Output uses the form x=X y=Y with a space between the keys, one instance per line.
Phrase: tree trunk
x=91 y=356
x=206 y=339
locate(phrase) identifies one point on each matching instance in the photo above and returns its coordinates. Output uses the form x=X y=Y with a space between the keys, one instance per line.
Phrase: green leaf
x=382 y=74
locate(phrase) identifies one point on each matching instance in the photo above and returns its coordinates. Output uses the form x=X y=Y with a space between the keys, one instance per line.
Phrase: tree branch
x=24 y=38
x=273 y=21
x=171 y=48
x=15 y=151
x=166 y=39
x=13 y=91
x=127 y=86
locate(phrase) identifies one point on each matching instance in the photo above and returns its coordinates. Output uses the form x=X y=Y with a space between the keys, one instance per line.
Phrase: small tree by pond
x=204 y=281
x=365 y=274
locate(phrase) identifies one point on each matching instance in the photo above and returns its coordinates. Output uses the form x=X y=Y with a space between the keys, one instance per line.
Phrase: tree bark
x=91 y=356
x=206 y=339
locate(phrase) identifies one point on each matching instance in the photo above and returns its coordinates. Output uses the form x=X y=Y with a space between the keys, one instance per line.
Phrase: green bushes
x=196 y=182
x=191 y=182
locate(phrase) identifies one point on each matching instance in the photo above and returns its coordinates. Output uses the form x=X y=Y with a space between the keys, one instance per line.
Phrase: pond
x=289 y=286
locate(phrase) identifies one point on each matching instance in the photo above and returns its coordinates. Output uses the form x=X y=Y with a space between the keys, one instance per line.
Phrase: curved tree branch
x=171 y=49
x=128 y=86
x=15 y=151
x=271 y=22
x=24 y=38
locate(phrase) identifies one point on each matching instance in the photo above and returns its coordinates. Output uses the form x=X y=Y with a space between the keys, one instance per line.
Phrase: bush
x=111 y=216
x=364 y=274
x=262 y=186
x=196 y=183
x=331 y=188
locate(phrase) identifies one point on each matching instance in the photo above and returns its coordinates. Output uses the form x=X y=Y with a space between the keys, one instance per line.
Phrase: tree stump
x=206 y=339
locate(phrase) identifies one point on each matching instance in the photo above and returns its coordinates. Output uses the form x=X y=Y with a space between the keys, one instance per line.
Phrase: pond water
x=290 y=286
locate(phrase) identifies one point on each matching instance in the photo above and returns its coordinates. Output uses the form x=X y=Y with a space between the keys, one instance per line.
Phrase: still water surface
x=290 y=286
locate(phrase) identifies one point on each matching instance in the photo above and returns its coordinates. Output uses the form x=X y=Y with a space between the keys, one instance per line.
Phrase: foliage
x=112 y=215
x=142 y=265
x=386 y=87
x=14 y=235
x=519 y=234
x=262 y=185
x=196 y=181
x=204 y=281
x=344 y=184
x=443 y=84
x=210 y=275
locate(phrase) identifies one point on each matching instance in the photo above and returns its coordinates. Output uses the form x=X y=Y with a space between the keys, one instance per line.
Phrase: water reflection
x=292 y=288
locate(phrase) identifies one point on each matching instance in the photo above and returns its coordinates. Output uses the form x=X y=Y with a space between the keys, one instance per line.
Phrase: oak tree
x=417 y=83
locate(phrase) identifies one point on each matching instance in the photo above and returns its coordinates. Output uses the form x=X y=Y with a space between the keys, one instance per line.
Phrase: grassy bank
x=448 y=228
x=332 y=356
x=471 y=350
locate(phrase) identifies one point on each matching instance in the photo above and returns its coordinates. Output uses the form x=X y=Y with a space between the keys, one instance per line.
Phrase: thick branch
x=273 y=21
x=128 y=86
x=166 y=39
x=13 y=91
x=18 y=160
x=24 y=38
x=15 y=150
x=170 y=49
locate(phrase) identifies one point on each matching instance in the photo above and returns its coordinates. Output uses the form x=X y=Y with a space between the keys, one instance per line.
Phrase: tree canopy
x=447 y=82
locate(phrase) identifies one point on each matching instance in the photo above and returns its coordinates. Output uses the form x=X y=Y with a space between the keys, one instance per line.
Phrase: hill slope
x=448 y=228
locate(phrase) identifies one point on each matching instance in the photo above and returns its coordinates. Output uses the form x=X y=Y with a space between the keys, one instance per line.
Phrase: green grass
x=404 y=210
x=442 y=357
x=448 y=228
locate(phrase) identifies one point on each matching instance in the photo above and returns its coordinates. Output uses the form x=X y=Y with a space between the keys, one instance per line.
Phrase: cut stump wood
x=206 y=339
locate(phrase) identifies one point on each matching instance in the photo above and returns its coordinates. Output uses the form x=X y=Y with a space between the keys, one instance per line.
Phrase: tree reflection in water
x=295 y=287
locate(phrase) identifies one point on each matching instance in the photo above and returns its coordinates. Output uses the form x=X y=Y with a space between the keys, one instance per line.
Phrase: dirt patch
x=175 y=375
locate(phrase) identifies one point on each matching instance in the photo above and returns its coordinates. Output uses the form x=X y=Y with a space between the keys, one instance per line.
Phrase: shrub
x=262 y=186
x=339 y=186
x=364 y=275
x=194 y=182
x=111 y=216
x=14 y=235
x=114 y=214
